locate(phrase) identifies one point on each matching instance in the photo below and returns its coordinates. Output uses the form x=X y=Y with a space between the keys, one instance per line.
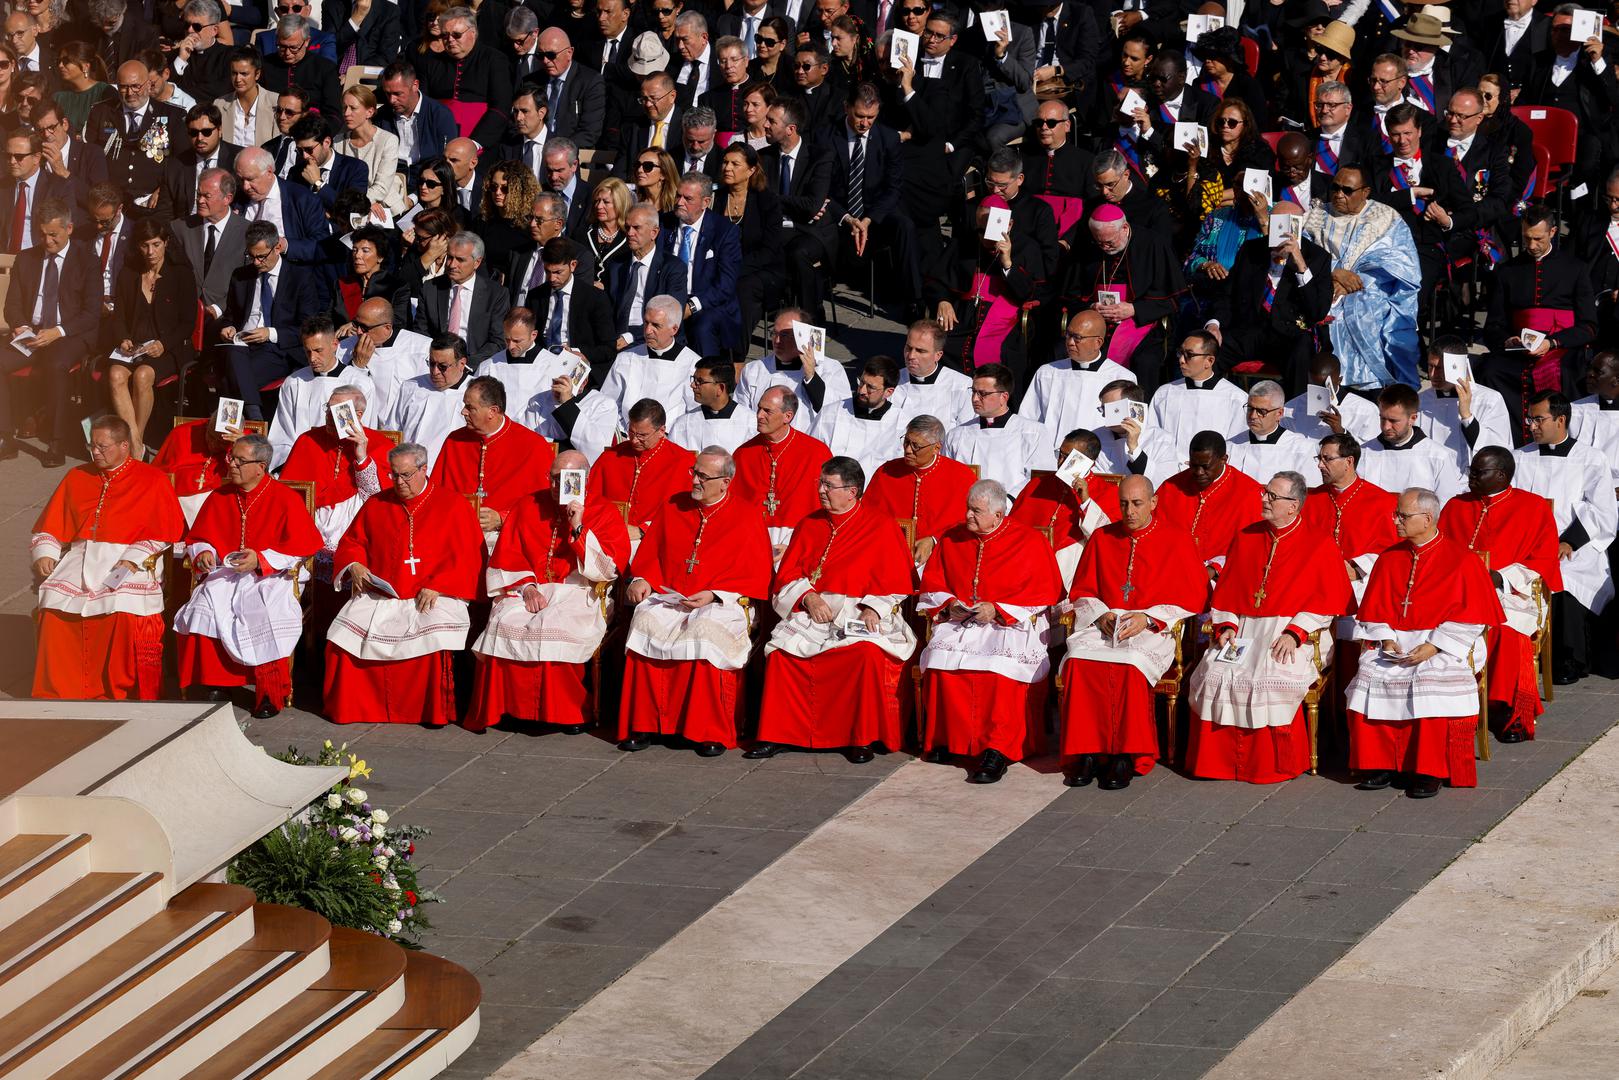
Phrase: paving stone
x=1466 y=814
x=1264 y=962
x=516 y=784
x=1202 y=1017
x=1144 y=954
x=1317 y=909
x=1387 y=861
x=1155 y=845
x=553 y=974
x=695 y=853
x=1267 y=851
x=650 y=792
x=1317 y=802
x=1051 y=1009
x=1177 y=798
x=626 y=913
x=571 y=846
x=768 y=799
x=1141 y=1061
x=516 y=903
x=457 y=838
x=1190 y=901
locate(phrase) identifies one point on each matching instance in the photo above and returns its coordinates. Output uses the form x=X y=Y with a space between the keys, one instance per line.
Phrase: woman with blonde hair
x=603 y=234
x=379 y=150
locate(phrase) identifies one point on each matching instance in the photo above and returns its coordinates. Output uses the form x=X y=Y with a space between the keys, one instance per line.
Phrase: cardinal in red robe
x=493 y=457
x=924 y=486
x=410 y=561
x=644 y=471
x=777 y=470
x=1067 y=514
x=1515 y=533
x=834 y=663
x=247 y=546
x=1136 y=580
x=1210 y=499
x=97 y=551
x=986 y=589
x=195 y=456
x=1282 y=582
x=1413 y=705
x=704 y=560
x=549 y=580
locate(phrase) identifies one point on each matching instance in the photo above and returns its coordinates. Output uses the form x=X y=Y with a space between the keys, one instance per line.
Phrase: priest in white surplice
x=304 y=393
x=817 y=384
x=429 y=406
x=1129 y=446
x=1200 y=400
x=1268 y=446
x=716 y=418
x=1351 y=413
x=1465 y=417
x=1596 y=416
x=1004 y=445
x=383 y=358
x=867 y=426
x=1403 y=455
x=926 y=386
x=1576 y=479
x=657 y=368
x=525 y=367
x=585 y=419
x=1065 y=393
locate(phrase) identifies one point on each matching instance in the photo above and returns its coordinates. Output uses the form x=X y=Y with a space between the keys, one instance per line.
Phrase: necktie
x=749 y=24
x=857 y=178
x=553 y=333
x=634 y=290
x=786 y=185
x=209 y=248
x=106 y=255
x=657 y=134
x=48 y=291
x=351 y=56
x=884 y=9
x=531 y=154
x=686 y=243
x=536 y=276
x=555 y=103
x=466 y=198
x=455 y=310
x=25 y=63
x=266 y=298
x=693 y=163
x=131 y=123
x=19 y=234
x=1048 y=49
x=612 y=53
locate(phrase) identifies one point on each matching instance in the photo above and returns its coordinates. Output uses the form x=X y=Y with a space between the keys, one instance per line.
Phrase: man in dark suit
x=1056 y=164
x=407 y=111
x=570 y=312
x=214 y=242
x=137 y=133
x=1482 y=162
x=208 y=150
x=1343 y=135
x=376 y=42
x=698 y=152
x=200 y=62
x=952 y=83
x=465 y=301
x=471 y=73
x=260 y=196
x=657 y=125
x=648 y=272
x=525 y=141
x=267 y=301
x=561 y=175
x=24 y=155
x=708 y=248
x=65 y=155
x=1513 y=41
x=55 y=293
x=575 y=97
x=801 y=174
x=121 y=31
x=294 y=65
x=1425 y=191
x=1171 y=101
x=33 y=54
x=322 y=170
x=811 y=66
x=526 y=268
x=1065 y=45
x=870 y=216
x=109 y=240
x=609 y=57
x=1276 y=298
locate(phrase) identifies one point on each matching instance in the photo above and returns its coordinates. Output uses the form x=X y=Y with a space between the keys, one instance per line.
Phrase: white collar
x=1428 y=71
x=1519 y=24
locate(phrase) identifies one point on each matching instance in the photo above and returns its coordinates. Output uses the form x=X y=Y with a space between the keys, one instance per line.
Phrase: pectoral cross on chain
x=411 y=562
x=691 y=562
x=771 y=504
x=1129 y=587
x=1259 y=596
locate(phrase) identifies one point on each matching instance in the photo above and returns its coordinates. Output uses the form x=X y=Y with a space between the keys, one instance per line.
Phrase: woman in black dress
x=743 y=198
x=151 y=325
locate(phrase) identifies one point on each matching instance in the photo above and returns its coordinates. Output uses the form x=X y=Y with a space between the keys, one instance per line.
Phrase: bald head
x=1294 y=149
x=251 y=161
x=376 y=312
x=780 y=398
x=1136 y=502
x=553 y=40
x=569 y=459
x=1285 y=207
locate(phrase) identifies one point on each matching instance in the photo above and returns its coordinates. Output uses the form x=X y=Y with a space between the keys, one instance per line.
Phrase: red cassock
x=505 y=466
x=272 y=519
x=431 y=542
x=934 y=497
x=1214 y=514
x=862 y=702
x=690 y=549
x=781 y=478
x=1447 y=584
x=1511 y=527
x=1269 y=574
x=644 y=481
x=1360 y=520
x=536 y=546
x=992 y=703
x=1108 y=707
x=186 y=456
x=323 y=459
x=118 y=654
x=1049 y=505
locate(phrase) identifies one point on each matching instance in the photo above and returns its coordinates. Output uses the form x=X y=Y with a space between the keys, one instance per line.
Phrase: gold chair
x=1541 y=641
x=249 y=427
x=1168 y=686
x=1312 y=697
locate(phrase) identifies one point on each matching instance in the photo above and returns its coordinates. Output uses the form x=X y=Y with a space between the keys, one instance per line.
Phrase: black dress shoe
x=859 y=755
x=991 y=767
x=709 y=749
x=217 y=694
x=634 y=743
x=8 y=448
x=1084 y=771
x=265 y=710
x=1567 y=675
x=54 y=457
x=1423 y=787
x=1120 y=771
x=1512 y=735
x=1376 y=781
x=937 y=756
x=762 y=751
x=575 y=729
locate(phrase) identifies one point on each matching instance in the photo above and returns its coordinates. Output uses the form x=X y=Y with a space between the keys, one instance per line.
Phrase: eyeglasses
x=825 y=486
x=1048 y=122
x=933 y=35
x=663 y=11
x=703 y=478
x=912 y=447
x=977 y=393
x=19 y=157
x=1535 y=421
x=6 y=65
x=1401 y=515
x=1271 y=496
x=433 y=365
x=258 y=257
x=1229 y=122
x=645 y=166
x=1071 y=336
x=1187 y=355
x=242 y=462
x=1323 y=106
x=1375 y=81
x=1322 y=459
x=456 y=35
x=289 y=9
x=653 y=99
x=405 y=476
x=1346 y=189
x=705 y=382
x=290 y=46
x=806 y=65
x=200 y=131
x=1255 y=410
x=366 y=328
x=198 y=27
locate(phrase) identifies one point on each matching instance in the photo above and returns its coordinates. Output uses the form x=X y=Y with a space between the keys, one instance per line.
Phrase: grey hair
x=346 y=392
x=789 y=399
x=288 y=25
x=668 y=305
x=702 y=181
x=1331 y=86
x=253 y=160
x=107 y=9
x=416 y=452
x=1111 y=161
x=1298 y=489
x=459 y=14
x=468 y=239
x=729 y=41
x=203 y=9
x=699 y=116
x=559 y=144
x=727 y=462
x=555 y=205
x=258 y=448
x=1427 y=501
x=990 y=492
x=521 y=22
x=223 y=177
x=692 y=19
x=925 y=425
x=1269 y=389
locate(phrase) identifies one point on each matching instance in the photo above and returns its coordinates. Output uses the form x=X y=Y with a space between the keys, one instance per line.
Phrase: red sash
x=1544 y=372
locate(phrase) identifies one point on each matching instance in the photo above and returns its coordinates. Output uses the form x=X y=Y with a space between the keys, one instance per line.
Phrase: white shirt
x=704 y=68
x=103 y=242
x=636 y=301
x=696 y=429
x=594 y=429
x=1580 y=487
x=270 y=210
x=761 y=374
x=427 y=415
x=386 y=373
x=256 y=315
x=405 y=128
x=60 y=259
x=302 y=405
x=870 y=442
x=1411 y=168
x=1358 y=416
x=636 y=374
x=562 y=298
x=244 y=123
x=1460 y=146
x=1514 y=31
x=1261 y=461
x=1440 y=419
x=1007 y=454
x=1180 y=411
x=463 y=195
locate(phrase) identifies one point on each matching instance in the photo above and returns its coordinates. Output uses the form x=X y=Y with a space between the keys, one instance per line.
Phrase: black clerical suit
x=1560 y=282
x=589 y=324
x=1279 y=327
x=1148 y=273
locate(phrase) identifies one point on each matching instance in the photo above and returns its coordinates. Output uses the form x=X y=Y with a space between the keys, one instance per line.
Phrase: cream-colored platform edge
x=724 y=977
x=1472 y=966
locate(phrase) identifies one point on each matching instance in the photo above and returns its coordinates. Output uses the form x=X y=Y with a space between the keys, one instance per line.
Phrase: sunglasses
x=431 y=366
x=20 y=157
x=1229 y=122
x=425 y=184
x=766 y=42
x=663 y=11
x=1345 y=189
x=201 y=131
x=913 y=11
x=646 y=166
x=552 y=54
x=1050 y=123
x=198 y=27
x=6 y=65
